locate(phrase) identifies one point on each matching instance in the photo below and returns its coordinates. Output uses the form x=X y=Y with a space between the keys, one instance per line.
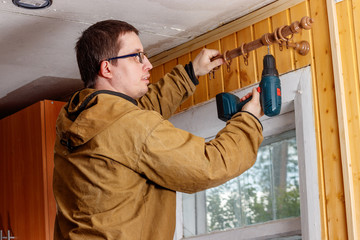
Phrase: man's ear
x=105 y=69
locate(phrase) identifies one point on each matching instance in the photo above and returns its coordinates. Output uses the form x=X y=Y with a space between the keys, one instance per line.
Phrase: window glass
x=267 y=191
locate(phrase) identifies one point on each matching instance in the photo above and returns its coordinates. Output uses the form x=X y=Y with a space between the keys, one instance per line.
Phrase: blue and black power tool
x=270 y=94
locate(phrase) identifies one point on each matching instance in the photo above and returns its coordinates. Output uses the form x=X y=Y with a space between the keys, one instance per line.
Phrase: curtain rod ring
x=285 y=39
x=245 y=55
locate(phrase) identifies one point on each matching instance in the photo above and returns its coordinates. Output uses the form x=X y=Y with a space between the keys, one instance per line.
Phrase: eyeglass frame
x=138 y=54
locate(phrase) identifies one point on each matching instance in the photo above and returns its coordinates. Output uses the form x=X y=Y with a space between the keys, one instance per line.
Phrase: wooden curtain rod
x=280 y=36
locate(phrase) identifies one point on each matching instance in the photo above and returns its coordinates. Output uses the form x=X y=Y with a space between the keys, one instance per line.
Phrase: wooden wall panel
x=330 y=175
x=356 y=17
x=168 y=66
x=334 y=214
x=296 y=13
x=284 y=58
x=51 y=112
x=25 y=196
x=27 y=175
x=356 y=164
x=183 y=60
x=5 y=183
x=27 y=149
x=231 y=76
x=260 y=28
x=248 y=72
x=347 y=36
x=156 y=73
x=201 y=93
x=300 y=61
x=215 y=81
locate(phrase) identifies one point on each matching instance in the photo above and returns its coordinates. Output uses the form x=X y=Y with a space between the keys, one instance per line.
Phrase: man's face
x=131 y=77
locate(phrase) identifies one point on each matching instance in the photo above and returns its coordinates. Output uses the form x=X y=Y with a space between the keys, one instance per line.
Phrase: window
x=267 y=191
x=278 y=196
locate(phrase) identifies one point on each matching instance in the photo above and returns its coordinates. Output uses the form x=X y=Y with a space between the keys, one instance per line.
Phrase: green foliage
x=259 y=195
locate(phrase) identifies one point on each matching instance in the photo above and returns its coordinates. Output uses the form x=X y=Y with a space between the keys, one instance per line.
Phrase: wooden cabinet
x=27 y=205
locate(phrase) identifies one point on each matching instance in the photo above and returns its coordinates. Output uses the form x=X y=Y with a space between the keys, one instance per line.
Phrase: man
x=118 y=161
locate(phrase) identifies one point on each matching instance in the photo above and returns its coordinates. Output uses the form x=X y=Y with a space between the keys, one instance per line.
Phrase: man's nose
x=147 y=64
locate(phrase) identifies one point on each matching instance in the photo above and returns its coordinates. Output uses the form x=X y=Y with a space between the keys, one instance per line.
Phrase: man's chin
x=143 y=92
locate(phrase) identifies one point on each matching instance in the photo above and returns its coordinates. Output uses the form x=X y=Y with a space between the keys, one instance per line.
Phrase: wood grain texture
x=25 y=213
x=27 y=150
x=215 y=82
x=5 y=183
x=356 y=164
x=296 y=13
x=183 y=60
x=334 y=224
x=356 y=16
x=284 y=58
x=201 y=93
x=168 y=66
x=156 y=73
x=231 y=75
x=328 y=140
x=351 y=94
x=261 y=28
x=321 y=182
x=248 y=73
x=51 y=112
x=225 y=30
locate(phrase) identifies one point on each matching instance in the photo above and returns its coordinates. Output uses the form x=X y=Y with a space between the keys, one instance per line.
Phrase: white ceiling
x=39 y=44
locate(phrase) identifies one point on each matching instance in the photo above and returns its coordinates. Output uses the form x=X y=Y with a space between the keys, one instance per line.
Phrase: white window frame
x=297 y=98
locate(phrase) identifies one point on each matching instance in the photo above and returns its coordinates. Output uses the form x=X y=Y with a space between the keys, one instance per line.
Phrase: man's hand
x=253 y=106
x=202 y=63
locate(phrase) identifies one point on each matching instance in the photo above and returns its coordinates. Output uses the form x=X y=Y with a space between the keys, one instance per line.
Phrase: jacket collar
x=75 y=100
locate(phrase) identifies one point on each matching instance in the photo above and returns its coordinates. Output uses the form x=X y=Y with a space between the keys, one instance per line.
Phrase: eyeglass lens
x=141 y=57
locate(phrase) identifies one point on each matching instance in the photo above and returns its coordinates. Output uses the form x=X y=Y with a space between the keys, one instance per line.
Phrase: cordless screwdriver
x=270 y=94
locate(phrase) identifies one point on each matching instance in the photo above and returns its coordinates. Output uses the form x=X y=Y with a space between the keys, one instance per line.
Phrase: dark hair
x=99 y=42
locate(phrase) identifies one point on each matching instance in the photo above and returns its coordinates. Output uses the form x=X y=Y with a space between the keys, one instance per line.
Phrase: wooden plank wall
x=348 y=16
x=51 y=112
x=330 y=176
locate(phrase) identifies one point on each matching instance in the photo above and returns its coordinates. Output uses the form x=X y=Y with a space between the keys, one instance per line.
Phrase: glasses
x=141 y=56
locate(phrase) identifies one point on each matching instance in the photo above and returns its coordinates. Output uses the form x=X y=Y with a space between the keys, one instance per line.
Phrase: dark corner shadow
x=46 y=87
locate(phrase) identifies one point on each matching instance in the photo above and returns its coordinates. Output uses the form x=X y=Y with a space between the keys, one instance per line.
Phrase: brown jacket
x=119 y=162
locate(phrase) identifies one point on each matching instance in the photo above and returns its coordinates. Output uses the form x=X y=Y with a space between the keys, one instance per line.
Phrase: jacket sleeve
x=180 y=161
x=166 y=95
